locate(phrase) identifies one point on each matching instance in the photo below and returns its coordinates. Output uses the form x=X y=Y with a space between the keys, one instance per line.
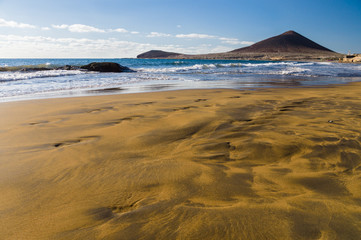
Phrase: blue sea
x=160 y=75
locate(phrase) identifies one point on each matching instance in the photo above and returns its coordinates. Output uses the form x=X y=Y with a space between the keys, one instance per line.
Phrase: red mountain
x=287 y=46
x=288 y=42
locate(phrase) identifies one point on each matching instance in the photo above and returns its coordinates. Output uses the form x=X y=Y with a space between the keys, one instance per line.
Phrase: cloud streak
x=52 y=47
x=224 y=40
x=230 y=41
x=82 y=28
x=79 y=28
x=13 y=24
x=49 y=47
x=157 y=34
x=119 y=30
x=195 y=35
x=235 y=41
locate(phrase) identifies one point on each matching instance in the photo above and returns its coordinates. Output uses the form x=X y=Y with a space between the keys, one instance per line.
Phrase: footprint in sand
x=85 y=139
x=44 y=122
x=97 y=110
x=184 y=108
x=201 y=100
x=120 y=120
x=143 y=103
x=123 y=208
x=107 y=213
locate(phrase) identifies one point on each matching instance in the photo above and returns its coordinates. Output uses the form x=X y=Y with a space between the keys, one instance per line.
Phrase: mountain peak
x=287 y=42
x=157 y=54
x=290 y=32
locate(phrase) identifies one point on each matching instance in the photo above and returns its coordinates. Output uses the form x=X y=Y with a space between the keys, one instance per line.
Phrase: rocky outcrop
x=68 y=67
x=158 y=54
x=95 y=66
x=355 y=58
x=106 y=67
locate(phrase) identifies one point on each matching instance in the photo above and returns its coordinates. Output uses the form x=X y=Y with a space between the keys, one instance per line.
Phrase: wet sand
x=194 y=164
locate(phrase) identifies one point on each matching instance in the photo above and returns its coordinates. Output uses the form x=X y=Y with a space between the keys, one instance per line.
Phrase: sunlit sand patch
x=210 y=164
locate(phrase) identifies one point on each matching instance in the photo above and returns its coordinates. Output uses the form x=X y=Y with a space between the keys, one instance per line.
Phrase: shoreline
x=168 y=75
x=114 y=91
x=276 y=163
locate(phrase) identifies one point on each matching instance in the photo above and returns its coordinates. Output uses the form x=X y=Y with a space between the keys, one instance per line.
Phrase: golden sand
x=195 y=164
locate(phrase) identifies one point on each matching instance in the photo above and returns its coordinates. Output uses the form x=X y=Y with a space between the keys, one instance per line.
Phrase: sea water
x=163 y=74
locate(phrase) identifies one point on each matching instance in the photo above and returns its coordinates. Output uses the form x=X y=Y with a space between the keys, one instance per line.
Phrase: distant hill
x=287 y=46
x=157 y=54
x=288 y=42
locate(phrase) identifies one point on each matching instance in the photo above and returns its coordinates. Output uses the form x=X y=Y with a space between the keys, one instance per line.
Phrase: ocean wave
x=272 y=68
x=7 y=68
x=195 y=67
x=294 y=71
x=292 y=68
x=13 y=76
x=278 y=64
x=181 y=74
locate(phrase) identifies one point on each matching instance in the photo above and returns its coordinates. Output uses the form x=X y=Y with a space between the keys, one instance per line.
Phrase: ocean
x=163 y=74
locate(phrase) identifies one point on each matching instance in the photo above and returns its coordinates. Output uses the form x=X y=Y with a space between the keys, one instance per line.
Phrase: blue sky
x=125 y=28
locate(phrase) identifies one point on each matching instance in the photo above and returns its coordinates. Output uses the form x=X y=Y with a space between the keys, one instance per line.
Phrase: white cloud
x=13 y=24
x=120 y=30
x=80 y=28
x=247 y=42
x=45 y=28
x=48 y=47
x=235 y=41
x=16 y=46
x=157 y=34
x=63 y=26
x=179 y=26
x=231 y=41
x=196 y=35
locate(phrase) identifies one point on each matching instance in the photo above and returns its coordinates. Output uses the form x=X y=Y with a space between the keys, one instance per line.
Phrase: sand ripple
x=210 y=164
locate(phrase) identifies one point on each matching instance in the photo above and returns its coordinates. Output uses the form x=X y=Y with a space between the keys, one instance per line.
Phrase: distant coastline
x=289 y=46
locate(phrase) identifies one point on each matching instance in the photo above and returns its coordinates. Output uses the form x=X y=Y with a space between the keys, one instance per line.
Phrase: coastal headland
x=288 y=46
x=189 y=164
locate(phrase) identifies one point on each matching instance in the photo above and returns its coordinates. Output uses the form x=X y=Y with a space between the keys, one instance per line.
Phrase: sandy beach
x=188 y=164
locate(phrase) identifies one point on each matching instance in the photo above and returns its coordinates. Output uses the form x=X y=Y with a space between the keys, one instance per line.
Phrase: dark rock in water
x=95 y=66
x=157 y=54
x=106 y=67
x=34 y=69
x=68 y=67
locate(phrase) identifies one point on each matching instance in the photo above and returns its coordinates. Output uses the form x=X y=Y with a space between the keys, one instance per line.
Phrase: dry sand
x=195 y=164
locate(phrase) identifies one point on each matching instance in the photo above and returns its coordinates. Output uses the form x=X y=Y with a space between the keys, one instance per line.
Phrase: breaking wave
x=30 y=77
x=306 y=69
x=19 y=75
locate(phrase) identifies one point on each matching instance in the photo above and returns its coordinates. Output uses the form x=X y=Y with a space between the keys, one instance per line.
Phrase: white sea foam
x=11 y=76
x=194 y=67
x=293 y=71
x=178 y=73
x=271 y=68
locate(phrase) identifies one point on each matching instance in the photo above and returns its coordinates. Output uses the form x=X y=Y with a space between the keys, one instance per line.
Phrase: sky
x=126 y=28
